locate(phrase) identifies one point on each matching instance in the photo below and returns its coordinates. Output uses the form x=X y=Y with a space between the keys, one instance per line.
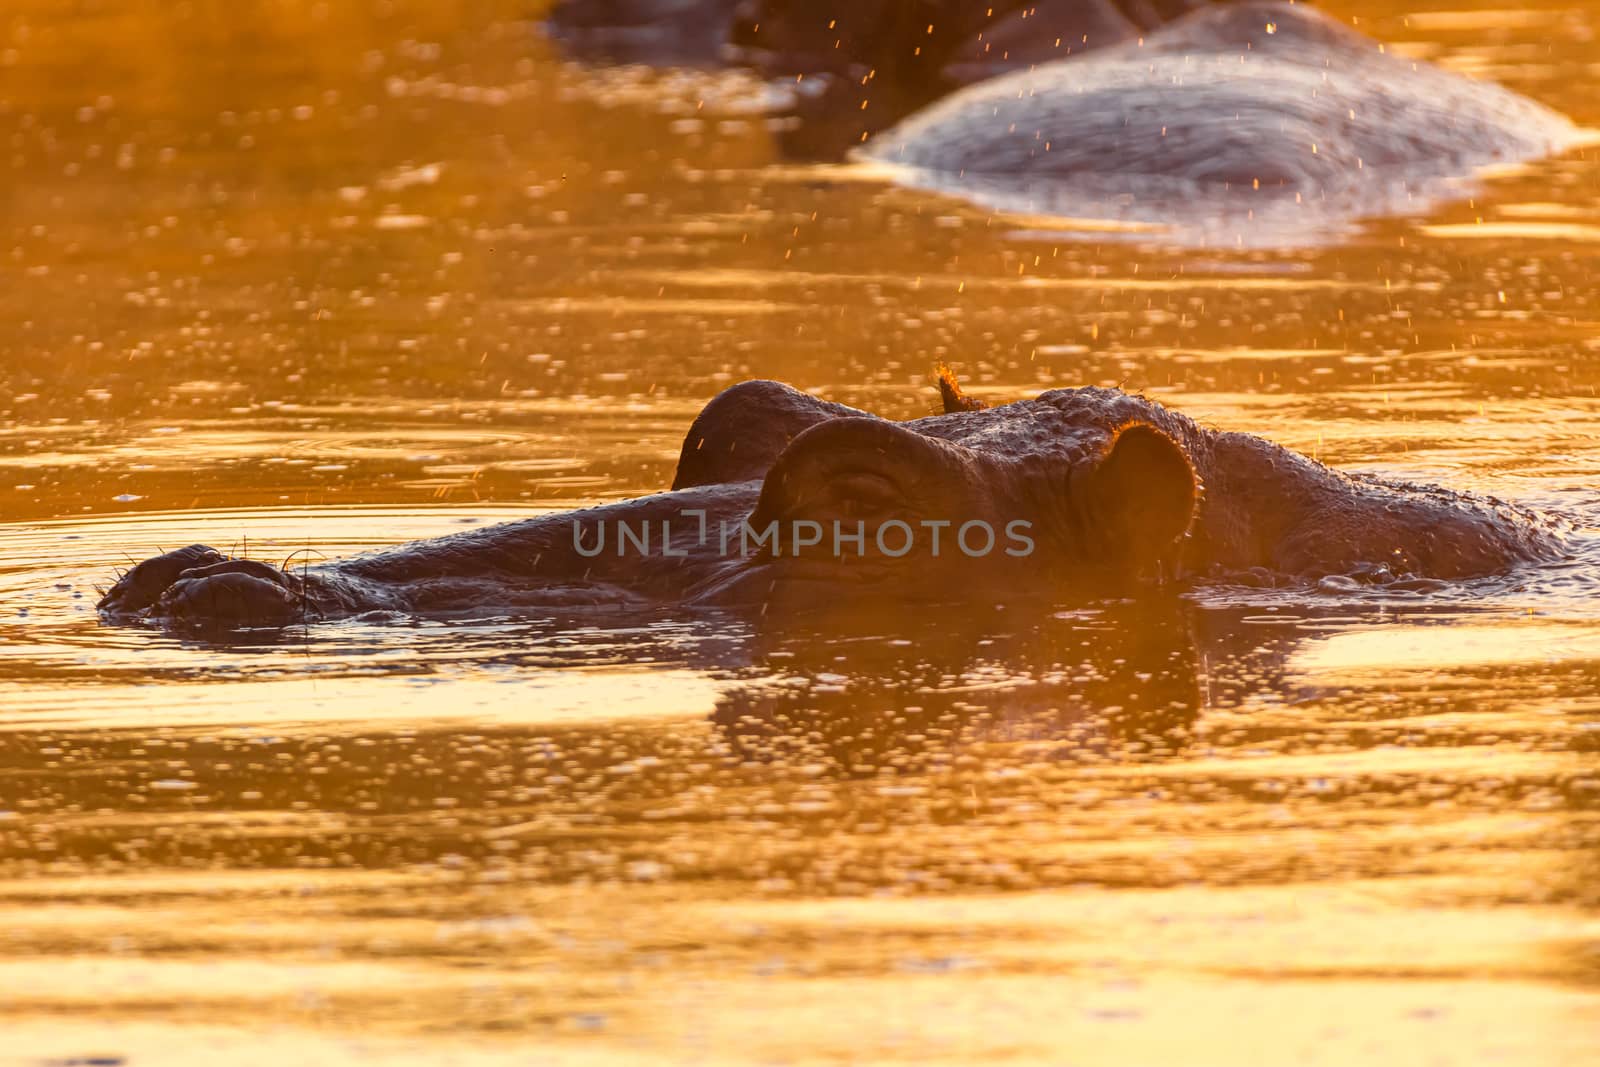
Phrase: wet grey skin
x=1116 y=490
x=1265 y=97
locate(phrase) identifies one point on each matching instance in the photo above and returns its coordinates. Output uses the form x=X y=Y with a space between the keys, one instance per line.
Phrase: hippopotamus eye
x=861 y=468
x=869 y=491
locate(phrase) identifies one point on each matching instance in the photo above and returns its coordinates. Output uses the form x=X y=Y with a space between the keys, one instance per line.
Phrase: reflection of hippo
x=648 y=31
x=939 y=42
x=785 y=501
x=1255 y=122
x=1069 y=682
x=932 y=42
x=1264 y=100
x=880 y=60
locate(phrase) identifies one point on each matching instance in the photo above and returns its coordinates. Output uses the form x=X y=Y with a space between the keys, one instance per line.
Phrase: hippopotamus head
x=1075 y=488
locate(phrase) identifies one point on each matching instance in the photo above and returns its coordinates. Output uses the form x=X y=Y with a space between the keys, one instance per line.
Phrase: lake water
x=308 y=278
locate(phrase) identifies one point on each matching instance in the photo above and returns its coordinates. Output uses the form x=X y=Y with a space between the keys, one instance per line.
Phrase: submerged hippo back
x=1254 y=93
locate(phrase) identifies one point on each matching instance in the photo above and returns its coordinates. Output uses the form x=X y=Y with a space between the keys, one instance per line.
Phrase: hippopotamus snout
x=200 y=583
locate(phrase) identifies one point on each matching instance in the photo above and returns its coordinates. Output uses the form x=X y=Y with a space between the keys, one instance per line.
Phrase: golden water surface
x=299 y=277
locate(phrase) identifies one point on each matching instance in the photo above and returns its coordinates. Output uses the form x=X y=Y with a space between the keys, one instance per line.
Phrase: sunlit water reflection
x=311 y=279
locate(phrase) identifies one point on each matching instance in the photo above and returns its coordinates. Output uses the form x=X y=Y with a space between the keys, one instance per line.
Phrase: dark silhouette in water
x=784 y=503
x=1259 y=123
x=660 y=32
x=938 y=44
x=893 y=55
x=914 y=696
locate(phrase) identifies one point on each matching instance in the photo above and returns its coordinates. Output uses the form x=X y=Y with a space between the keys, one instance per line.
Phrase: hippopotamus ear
x=1142 y=494
x=743 y=429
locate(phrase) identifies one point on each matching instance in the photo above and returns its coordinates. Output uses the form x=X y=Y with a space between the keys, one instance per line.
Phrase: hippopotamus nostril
x=231 y=597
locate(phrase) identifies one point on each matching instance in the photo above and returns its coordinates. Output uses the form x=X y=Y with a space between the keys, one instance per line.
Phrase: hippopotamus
x=1259 y=100
x=785 y=502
